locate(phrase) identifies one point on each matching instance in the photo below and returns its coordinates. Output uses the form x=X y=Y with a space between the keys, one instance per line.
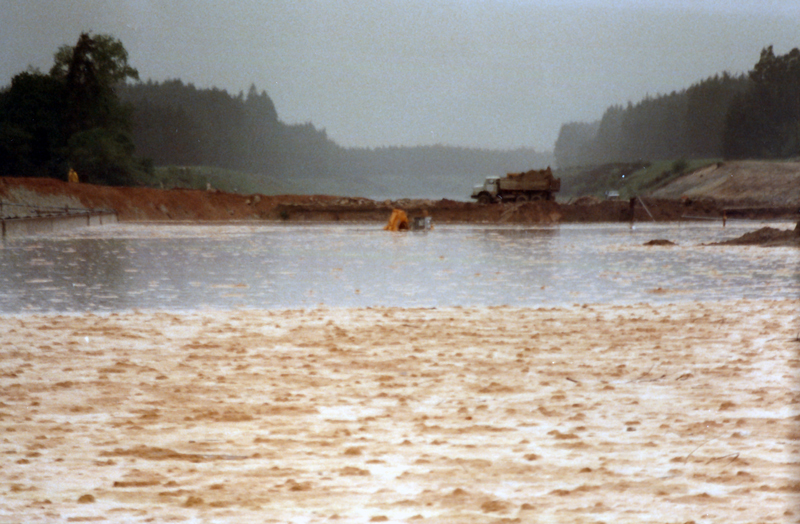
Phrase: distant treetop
x=106 y=53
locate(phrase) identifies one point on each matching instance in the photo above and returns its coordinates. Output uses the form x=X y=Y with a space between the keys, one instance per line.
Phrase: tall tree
x=105 y=55
x=100 y=145
x=71 y=117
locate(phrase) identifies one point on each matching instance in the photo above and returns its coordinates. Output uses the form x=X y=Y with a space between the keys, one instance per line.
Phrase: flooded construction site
x=341 y=373
x=190 y=267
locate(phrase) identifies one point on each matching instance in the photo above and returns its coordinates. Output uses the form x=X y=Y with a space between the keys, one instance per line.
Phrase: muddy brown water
x=189 y=267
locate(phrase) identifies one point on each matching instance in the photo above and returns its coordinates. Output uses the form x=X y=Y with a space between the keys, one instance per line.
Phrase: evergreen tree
x=72 y=117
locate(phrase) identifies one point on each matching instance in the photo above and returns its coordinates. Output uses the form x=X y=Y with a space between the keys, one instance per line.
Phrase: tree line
x=178 y=124
x=86 y=115
x=746 y=116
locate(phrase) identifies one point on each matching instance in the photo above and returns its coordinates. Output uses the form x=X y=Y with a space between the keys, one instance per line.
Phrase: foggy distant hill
x=177 y=124
x=687 y=124
x=753 y=116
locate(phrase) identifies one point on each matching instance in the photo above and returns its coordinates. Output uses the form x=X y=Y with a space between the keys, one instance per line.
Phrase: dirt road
x=591 y=413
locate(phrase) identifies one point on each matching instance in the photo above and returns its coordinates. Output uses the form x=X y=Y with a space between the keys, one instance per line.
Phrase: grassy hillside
x=199 y=177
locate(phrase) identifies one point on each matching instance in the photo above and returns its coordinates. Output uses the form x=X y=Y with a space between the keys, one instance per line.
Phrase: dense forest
x=685 y=124
x=764 y=121
x=747 y=116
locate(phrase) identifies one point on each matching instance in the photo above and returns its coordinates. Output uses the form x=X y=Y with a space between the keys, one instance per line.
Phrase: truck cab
x=487 y=192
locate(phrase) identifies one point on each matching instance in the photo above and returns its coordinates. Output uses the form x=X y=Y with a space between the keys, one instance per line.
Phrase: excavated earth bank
x=143 y=204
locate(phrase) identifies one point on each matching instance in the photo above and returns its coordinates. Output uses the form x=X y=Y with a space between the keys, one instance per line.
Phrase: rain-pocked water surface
x=190 y=267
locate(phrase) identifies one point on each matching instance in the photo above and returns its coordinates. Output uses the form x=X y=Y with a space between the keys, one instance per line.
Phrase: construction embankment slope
x=741 y=189
x=743 y=184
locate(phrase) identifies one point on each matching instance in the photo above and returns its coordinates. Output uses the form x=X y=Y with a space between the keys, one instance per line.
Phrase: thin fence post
x=632 y=209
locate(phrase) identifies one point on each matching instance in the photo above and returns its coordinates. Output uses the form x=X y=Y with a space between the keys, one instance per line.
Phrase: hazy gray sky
x=494 y=73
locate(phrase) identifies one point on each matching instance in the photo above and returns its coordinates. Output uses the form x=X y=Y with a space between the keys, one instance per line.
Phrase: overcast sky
x=494 y=74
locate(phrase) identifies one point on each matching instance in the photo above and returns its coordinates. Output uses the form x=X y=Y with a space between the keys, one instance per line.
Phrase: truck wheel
x=484 y=199
x=522 y=198
x=536 y=197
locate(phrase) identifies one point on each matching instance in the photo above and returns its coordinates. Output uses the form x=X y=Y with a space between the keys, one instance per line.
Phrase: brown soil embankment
x=145 y=204
x=137 y=203
x=768 y=237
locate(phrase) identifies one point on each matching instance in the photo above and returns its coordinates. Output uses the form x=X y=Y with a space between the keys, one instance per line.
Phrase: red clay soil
x=138 y=203
x=145 y=204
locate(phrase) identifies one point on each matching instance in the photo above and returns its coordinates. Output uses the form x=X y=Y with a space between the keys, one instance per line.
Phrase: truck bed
x=541 y=180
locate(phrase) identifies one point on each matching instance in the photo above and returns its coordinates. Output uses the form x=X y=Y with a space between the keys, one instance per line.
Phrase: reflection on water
x=185 y=267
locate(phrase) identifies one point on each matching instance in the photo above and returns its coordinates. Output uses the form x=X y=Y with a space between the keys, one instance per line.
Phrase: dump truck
x=518 y=187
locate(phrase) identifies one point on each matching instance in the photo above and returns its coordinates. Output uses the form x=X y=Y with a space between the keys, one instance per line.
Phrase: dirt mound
x=660 y=242
x=767 y=236
x=586 y=201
